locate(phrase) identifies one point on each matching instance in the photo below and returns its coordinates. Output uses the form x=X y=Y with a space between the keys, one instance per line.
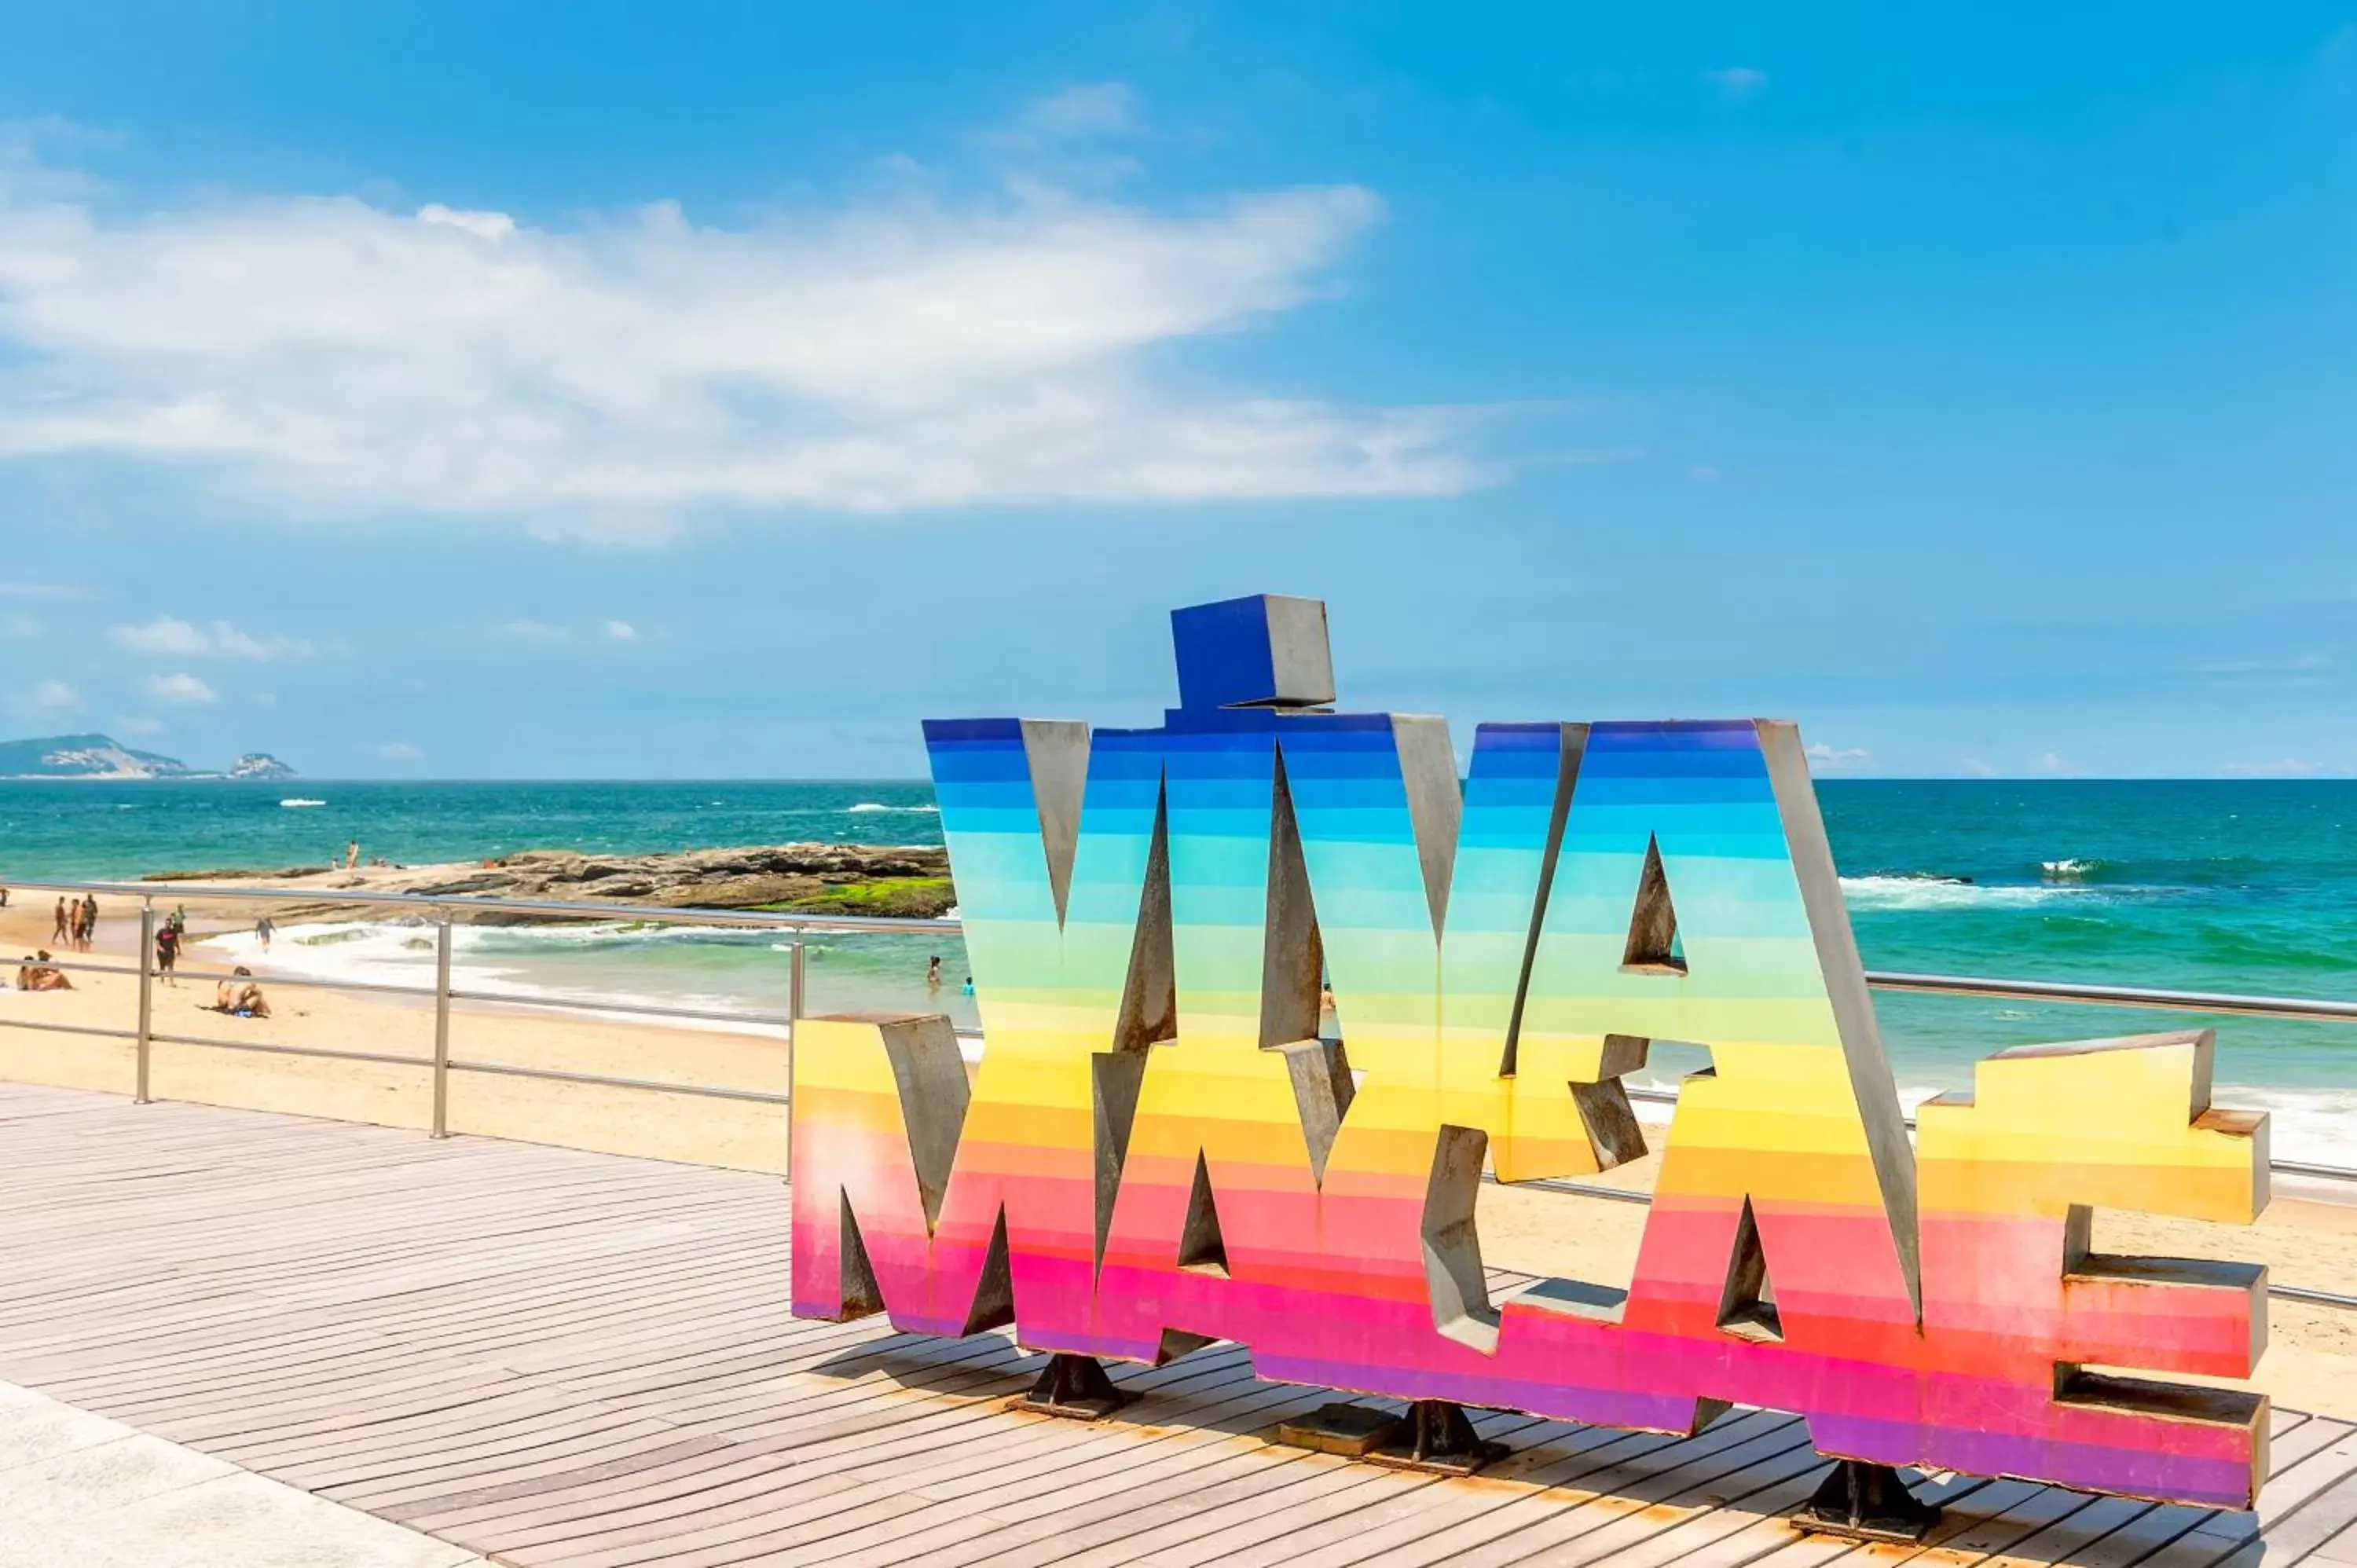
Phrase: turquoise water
x=2199 y=886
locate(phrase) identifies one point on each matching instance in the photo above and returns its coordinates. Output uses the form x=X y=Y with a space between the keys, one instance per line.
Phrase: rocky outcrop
x=910 y=881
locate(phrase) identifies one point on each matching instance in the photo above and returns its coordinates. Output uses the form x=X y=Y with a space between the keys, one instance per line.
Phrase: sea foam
x=1942 y=892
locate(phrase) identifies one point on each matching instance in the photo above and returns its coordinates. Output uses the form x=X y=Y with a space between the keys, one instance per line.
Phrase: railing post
x=795 y=998
x=145 y=1045
x=442 y=1026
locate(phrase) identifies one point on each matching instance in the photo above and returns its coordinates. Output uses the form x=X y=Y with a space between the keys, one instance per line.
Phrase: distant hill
x=101 y=757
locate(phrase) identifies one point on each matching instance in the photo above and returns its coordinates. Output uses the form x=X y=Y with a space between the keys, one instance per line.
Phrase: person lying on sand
x=240 y=1000
x=32 y=976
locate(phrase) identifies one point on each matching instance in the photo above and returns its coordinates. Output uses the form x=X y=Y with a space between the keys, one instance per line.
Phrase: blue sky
x=523 y=391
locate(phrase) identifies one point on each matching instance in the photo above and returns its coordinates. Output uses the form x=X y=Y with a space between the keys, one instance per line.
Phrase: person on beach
x=41 y=977
x=933 y=972
x=239 y=996
x=89 y=932
x=967 y=989
x=167 y=954
x=352 y=856
x=59 y=935
x=263 y=930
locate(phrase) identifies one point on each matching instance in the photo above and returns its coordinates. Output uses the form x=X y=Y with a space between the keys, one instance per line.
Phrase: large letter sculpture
x=1158 y=1149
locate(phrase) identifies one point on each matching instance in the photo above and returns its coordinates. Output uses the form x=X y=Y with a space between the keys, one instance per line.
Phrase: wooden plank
x=582 y=1361
x=1696 y=1483
x=1651 y=1478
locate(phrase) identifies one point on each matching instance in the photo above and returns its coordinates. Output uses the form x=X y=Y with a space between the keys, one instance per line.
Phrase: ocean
x=2228 y=886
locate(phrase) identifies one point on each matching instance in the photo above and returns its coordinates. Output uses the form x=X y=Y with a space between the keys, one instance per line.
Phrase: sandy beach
x=2311 y=1363
x=697 y=1130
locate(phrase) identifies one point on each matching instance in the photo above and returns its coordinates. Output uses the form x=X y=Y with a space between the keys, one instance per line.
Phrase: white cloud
x=481 y=225
x=183 y=689
x=2287 y=768
x=399 y=751
x=170 y=636
x=1824 y=758
x=15 y=623
x=2054 y=763
x=2306 y=663
x=541 y=631
x=49 y=697
x=1975 y=768
x=905 y=351
x=43 y=591
x=1737 y=82
x=1091 y=109
x=139 y=726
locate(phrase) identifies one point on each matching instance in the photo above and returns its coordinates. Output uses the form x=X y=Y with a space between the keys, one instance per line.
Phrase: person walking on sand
x=59 y=935
x=352 y=856
x=167 y=954
x=263 y=930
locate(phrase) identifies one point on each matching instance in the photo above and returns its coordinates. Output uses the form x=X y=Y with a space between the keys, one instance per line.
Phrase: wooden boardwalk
x=558 y=1357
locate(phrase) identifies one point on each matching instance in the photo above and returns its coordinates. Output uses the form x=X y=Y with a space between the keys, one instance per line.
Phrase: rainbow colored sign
x=1159 y=1150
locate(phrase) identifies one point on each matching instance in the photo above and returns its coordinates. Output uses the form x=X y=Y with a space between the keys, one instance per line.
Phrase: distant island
x=101 y=757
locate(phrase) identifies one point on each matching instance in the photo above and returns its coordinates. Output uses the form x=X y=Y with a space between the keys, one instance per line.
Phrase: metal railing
x=439 y=912
x=440 y=908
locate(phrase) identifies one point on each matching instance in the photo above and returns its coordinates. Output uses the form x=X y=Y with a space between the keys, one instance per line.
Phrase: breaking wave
x=1889 y=892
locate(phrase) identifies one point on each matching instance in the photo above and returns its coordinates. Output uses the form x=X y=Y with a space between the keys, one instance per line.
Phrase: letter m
x=954 y=1209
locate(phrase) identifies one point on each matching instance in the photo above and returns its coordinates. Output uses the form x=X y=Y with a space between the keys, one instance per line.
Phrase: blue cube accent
x=1268 y=651
x=1224 y=655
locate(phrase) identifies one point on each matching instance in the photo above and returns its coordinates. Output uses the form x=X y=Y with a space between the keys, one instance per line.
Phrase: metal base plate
x=1865 y=1502
x=1402 y=1456
x=1074 y=1388
x=1072 y=1410
x=1353 y=1431
x=1449 y=1445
